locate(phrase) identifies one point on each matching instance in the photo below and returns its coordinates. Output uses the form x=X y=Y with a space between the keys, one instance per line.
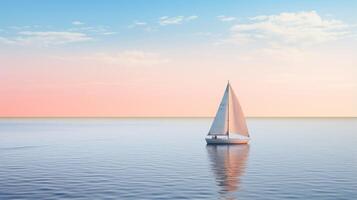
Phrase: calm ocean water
x=167 y=158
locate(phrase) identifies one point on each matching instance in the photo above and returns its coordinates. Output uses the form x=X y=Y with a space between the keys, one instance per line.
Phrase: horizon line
x=59 y=117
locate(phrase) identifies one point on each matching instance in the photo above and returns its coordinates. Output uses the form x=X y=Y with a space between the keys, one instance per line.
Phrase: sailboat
x=229 y=126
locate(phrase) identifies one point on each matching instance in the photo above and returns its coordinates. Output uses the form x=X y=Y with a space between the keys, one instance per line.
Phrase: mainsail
x=219 y=125
x=229 y=118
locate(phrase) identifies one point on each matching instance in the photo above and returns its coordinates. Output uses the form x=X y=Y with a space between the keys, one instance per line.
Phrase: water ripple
x=168 y=159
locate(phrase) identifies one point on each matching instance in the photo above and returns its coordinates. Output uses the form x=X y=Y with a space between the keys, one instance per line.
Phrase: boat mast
x=228 y=111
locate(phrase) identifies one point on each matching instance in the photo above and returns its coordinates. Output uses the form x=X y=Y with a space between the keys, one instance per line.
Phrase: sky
x=174 y=58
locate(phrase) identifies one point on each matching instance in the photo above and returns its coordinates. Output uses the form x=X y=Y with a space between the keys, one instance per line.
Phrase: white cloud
x=109 y=33
x=131 y=57
x=24 y=28
x=300 y=28
x=204 y=34
x=165 y=20
x=140 y=23
x=192 y=17
x=170 y=20
x=46 y=38
x=93 y=30
x=6 y=41
x=77 y=23
x=53 y=37
x=224 y=18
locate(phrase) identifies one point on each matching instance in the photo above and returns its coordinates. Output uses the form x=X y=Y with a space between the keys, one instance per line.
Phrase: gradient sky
x=173 y=58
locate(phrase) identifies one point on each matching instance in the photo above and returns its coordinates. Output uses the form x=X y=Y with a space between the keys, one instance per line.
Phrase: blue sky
x=117 y=16
x=298 y=56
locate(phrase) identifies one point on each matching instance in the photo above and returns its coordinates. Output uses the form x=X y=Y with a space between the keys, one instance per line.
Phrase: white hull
x=227 y=141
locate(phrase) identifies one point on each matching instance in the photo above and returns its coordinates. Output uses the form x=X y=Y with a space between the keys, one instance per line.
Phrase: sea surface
x=167 y=158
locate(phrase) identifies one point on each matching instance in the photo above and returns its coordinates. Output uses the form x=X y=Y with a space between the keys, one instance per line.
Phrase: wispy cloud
x=77 y=23
x=299 y=28
x=141 y=25
x=46 y=38
x=165 y=20
x=130 y=57
x=138 y=24
x=109 y=33
x=5 y=40
x=204 y=34
x=192 y=17
x=94 y=30
x=224 y=18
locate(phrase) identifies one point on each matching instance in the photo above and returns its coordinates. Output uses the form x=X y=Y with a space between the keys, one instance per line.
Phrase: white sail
x=219 y=125
x=237 y=124
x=229 y=118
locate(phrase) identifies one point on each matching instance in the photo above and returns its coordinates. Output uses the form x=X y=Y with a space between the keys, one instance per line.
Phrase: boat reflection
x=228 y=163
